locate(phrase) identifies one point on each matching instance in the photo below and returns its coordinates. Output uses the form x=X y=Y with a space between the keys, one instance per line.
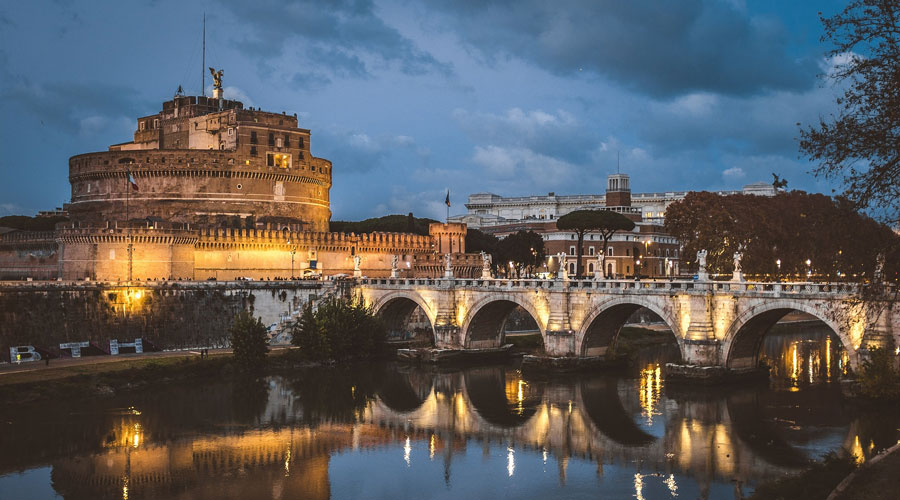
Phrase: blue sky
x=409 y=99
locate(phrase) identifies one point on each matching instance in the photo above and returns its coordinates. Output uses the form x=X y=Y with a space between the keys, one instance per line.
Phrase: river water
x=392 y=431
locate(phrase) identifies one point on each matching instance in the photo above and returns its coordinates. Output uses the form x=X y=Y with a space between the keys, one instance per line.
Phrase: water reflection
x=808 y=354
x=389 y=431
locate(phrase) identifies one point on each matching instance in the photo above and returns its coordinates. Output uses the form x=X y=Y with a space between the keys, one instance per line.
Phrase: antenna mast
x=203 y=64
x=617 y=162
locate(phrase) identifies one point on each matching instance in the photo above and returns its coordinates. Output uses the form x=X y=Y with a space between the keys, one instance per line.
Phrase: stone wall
x=168 y=315
x=25 y=254
x=193 y=185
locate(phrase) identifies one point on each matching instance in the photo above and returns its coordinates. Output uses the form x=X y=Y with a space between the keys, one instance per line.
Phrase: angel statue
x=217 y=77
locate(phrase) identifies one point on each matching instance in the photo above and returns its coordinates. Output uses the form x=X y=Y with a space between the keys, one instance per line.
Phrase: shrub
x=338 y=330
x=248 y=340
x=879 y=378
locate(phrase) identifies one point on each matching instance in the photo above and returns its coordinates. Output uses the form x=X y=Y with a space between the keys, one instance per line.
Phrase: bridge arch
x=396 y=307
x=601 y=326
x=484 y=323
x=744 y=337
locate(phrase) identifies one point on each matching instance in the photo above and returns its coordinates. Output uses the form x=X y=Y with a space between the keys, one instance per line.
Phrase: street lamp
x=808 y=269
x=293 y=251
x=778 y=263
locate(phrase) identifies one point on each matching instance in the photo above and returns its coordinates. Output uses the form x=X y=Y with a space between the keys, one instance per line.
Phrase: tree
x=605 y=222
x=525 y=249
x=859 y=144
x=791 y=228
x=248 y=340
x=339 y=330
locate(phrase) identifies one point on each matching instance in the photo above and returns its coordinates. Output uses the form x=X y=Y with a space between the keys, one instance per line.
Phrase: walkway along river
x=390 y=431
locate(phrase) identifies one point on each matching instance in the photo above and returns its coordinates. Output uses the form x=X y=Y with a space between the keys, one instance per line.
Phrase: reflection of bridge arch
x=601 y=327
x=485 y=321
x=404 y=392
x=601 y=402
x=488 y=392
x=396 y=307
x=744 y=337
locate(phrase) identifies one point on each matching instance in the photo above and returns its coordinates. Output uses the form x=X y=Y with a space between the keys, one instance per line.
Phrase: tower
x=618 y=191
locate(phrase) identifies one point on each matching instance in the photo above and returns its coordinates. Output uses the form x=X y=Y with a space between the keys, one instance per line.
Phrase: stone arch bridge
x=714 y=323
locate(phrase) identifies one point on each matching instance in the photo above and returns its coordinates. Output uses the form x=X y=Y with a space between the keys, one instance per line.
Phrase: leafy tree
x=879 y=378
x=605 y=222
x=388 y=223
x=248 y=340
x=525 y=249
x=859 y=144
x=27 y=223
x=791 y=227
x=339 y=330
x=477 y=241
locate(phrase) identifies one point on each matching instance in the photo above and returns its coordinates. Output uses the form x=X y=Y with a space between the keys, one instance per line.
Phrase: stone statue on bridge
x=738 y=274
x=486 y=260
x=600 y=269
x=395 y=260
x=448 y=266
x=357 y=272
x=702 y=273
x=563 y=272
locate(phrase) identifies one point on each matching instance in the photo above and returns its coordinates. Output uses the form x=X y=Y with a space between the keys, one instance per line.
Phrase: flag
x=132 y=182
x=447 y=201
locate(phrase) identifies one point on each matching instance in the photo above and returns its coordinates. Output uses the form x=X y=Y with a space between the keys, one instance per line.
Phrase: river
x=391 y=431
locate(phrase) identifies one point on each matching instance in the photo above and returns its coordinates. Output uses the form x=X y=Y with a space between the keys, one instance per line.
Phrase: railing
x=613 y=286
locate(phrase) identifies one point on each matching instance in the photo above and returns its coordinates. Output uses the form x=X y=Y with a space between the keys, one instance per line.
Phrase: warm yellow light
x=138 y=294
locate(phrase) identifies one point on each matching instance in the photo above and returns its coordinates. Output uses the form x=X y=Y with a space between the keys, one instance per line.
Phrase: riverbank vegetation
x=879 y=378
x=339 y=330
x=248 y=341
x=816 y=483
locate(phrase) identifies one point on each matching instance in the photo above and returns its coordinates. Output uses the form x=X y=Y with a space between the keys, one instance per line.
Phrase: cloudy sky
x=408 y=99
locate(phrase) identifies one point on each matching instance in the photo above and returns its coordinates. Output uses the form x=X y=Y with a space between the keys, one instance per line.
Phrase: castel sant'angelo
x=211 y=189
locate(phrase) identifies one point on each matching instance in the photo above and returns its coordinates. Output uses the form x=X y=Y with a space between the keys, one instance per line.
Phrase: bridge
x=715 y=323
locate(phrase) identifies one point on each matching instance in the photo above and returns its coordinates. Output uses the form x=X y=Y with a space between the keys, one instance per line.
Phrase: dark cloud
x=344 y=38
x=659 y=48
x=74 y=107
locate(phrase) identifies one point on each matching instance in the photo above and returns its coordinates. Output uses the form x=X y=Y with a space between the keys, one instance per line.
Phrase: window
x=253 y=139
x=590 y=267
x=279 y=143
x=156 y=123
x=627 y=252
x=278 y=160
x=590 y=250
x=231 y=131
x=271 y=139
x=300 y=143
x=252 y=151
x=312 y=168
x=572 y=250
x=287 y=141
x=609 y=251
x=572 y=268
x=141 y=125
